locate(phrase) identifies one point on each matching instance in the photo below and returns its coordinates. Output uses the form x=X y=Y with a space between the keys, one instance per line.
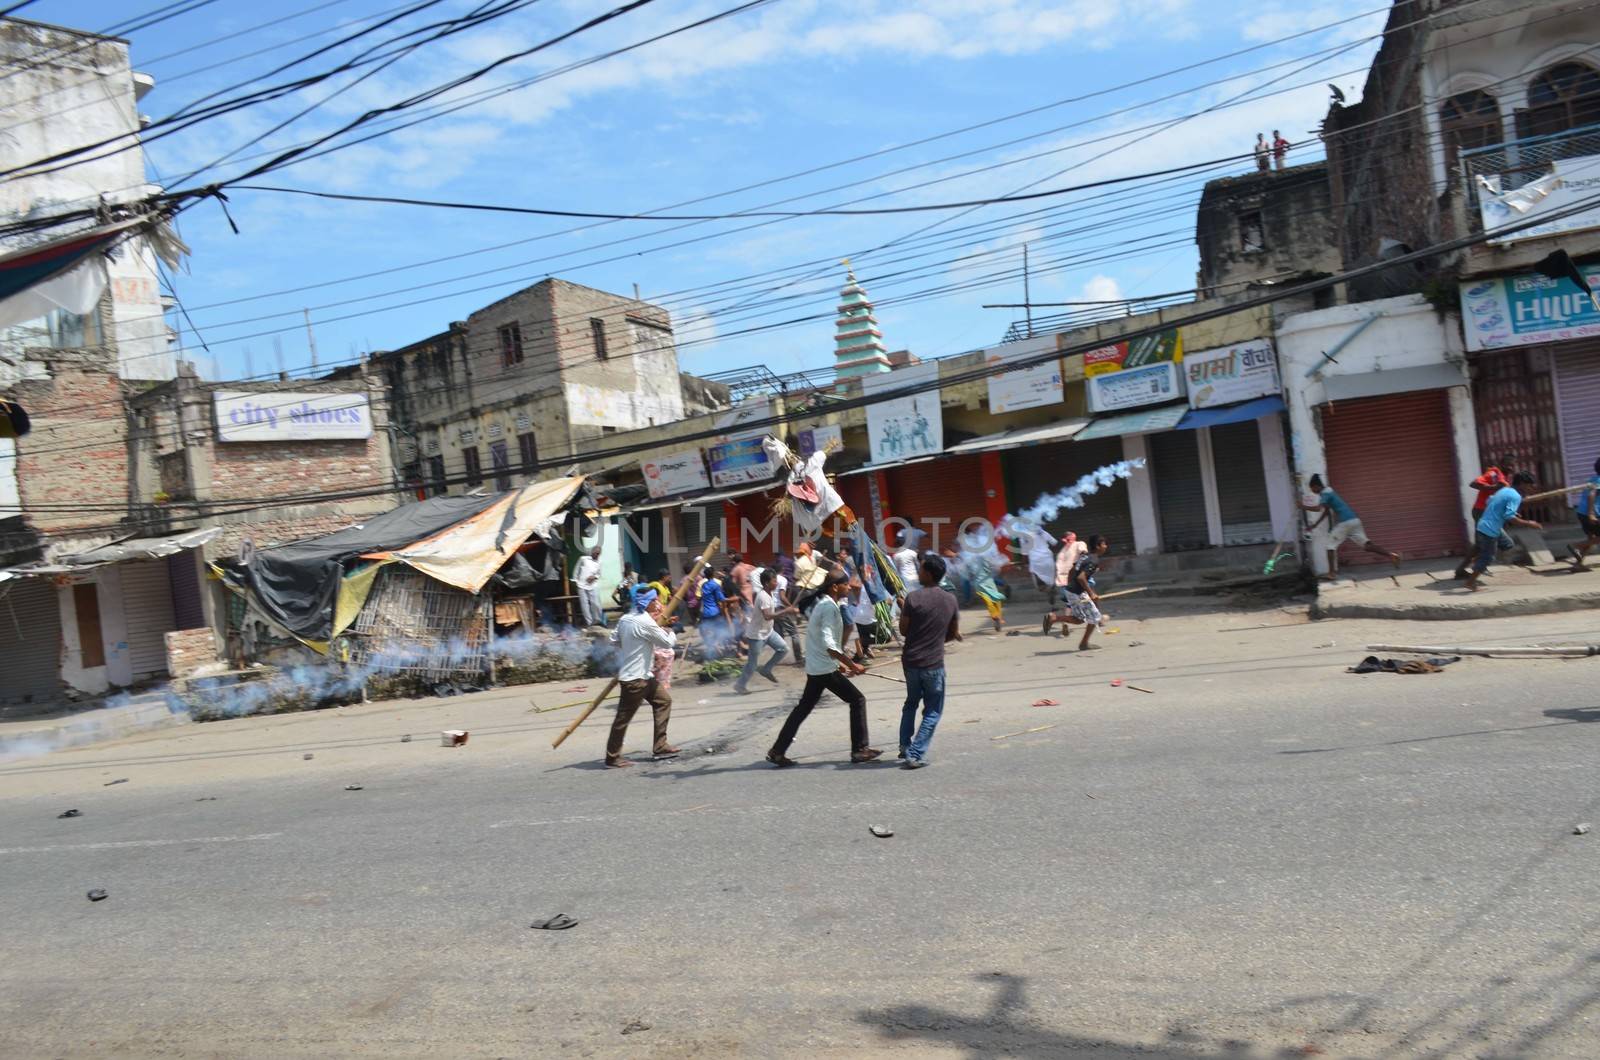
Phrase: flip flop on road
x=559 y=922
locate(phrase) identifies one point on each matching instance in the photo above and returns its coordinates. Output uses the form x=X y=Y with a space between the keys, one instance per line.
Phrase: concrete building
x=1267 y=229
x=536 y=379
x=1479 y=116
x=65 y=88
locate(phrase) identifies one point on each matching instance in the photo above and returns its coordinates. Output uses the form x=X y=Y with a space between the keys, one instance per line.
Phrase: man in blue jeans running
x=764 y=609
x=929 y=618
x=1501 y=509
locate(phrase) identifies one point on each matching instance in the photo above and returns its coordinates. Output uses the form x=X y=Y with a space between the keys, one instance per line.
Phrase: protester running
x=1343 y=525
x=827 y=667
x=638 y=635
x=1588 y=519
x=1501 y=509
x=929 y=619
x=1083 y=595
x=1485 y=485
x=758 y=630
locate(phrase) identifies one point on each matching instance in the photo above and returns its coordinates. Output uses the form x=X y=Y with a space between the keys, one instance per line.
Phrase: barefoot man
x=1343 y=525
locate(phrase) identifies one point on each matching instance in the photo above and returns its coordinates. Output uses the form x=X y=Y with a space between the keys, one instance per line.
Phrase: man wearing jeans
x=758 y=630
x=1501 y=509
x=929 y=618
x=826 y=667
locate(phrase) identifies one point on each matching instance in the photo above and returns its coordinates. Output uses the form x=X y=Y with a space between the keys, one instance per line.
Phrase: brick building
x=536 y=378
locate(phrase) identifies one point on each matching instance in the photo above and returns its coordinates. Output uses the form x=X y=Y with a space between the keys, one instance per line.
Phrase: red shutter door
x=948 y=488
x=1393 y=459
x=758 y=531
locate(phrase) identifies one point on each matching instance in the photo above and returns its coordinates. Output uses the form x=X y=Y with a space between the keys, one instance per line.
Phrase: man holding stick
x=827 y=667
x=1501 y=509
x=638 y=635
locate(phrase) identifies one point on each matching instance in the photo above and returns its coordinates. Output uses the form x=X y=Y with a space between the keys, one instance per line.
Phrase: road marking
x=141 y=843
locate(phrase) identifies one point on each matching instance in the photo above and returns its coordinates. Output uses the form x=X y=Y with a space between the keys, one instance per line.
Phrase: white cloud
x=1101 y=288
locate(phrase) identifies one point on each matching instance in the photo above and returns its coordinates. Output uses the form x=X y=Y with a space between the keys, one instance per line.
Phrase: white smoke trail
x=1048 y=506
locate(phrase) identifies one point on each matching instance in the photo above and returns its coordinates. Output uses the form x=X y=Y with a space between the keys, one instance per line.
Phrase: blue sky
x=785 y=87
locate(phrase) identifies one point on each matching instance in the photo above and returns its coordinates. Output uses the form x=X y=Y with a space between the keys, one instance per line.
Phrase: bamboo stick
x=1569 y=651
x=672 y=605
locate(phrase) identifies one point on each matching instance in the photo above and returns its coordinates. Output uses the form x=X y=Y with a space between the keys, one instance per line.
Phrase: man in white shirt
x=637 y=636
x=906 y=559
x=764 y=609
x=826 y=667
x=587 y=576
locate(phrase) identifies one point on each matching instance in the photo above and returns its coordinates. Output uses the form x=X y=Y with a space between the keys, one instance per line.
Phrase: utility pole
x=311 y=340
x=1027 y=299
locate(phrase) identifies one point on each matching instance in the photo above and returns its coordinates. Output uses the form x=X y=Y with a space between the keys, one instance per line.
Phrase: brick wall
x=271 y=469
x=188 y=650
x=77 y=451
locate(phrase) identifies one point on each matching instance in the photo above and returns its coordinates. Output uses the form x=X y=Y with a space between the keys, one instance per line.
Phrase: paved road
x=1265 y=857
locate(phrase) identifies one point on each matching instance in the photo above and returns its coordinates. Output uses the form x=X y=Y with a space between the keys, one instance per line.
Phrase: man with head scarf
x=638 y=635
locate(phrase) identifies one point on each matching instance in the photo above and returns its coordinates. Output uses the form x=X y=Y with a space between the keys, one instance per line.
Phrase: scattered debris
x=972 y=721
x=1117 y=683
x=1374 y=665
x=69 y=813
x=635 y=1026
x=703 y=702
x=1582 y=829
x=1578 y=651
x=559 y=922
x=1096 y=798
x=453 y=737
x=1139 y=688
x=206 y=798
x=1108 y=632
x=308 y=756
x=119 y=780
x=1024 y=732
x=881 y=831
x=1047 y=702
x=406 y=738
x=1135 y=643
x=352 y=787
x=1329 y=644
x=576 y=688
x=98 y=895
x=1013 y=632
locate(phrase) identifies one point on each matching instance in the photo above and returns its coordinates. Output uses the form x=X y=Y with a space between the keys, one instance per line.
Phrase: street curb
x=93 y=726
x=1457 y=612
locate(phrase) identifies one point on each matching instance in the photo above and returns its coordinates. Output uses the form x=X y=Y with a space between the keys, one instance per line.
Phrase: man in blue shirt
x=1588 y=519
x=1343 y=525
x=1500 y=511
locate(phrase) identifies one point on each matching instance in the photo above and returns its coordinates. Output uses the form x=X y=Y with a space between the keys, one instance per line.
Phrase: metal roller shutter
x=948 y=488
x=1393 y=459
x=1578 y=403
x=187 y=612
x=1241 y=484
x=147 y=606
x=1180 y=493
x=1036 y=470
x=697 y=525
x=30 y=641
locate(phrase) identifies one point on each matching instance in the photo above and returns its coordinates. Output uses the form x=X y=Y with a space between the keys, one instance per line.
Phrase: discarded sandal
x=559 y=922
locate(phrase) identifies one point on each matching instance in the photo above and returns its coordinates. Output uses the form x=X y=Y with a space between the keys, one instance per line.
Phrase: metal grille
x=1515 y=408
x=1520 y=162
x=1092 y=313
x=412 y=624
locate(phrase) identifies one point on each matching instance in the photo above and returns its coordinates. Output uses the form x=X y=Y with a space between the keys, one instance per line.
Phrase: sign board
x=1231 y=373
x=1527 y=309
x=280 y=416
x=1023 y=388
x=626 y=410
x=820 y=439
x=1572 y=182
x=1134 y=353
x=1132 y=387
x=904 y=428
x=674 y=473
x=738 y=458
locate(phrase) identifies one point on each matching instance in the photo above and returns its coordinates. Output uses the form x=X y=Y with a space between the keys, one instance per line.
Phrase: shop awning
x=864 y=468
x=1244 y=410
x=116 y=552
x=1393 y=381
x=1140 y=421
x=1020 y=436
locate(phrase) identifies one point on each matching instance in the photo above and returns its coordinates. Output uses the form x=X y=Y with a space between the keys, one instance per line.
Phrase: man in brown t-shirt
x=929 y=618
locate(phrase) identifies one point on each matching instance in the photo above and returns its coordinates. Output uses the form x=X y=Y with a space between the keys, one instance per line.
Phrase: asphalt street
x=1263 y=856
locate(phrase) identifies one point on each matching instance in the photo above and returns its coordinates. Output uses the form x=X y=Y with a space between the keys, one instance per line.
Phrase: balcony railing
x=1518 y=163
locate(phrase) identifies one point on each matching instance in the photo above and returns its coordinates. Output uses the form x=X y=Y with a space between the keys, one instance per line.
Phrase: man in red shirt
x=1487 y=484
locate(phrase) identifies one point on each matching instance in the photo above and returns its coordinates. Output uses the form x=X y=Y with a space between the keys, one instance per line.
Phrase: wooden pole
x=1566 y=651
x=1555 y=493
x=672 y=605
